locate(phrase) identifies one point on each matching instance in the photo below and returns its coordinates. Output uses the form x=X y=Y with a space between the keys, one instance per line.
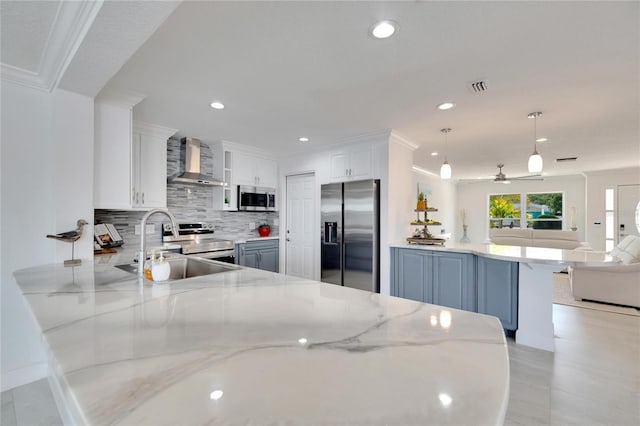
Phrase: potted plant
x=264 y=230
x=422 y=203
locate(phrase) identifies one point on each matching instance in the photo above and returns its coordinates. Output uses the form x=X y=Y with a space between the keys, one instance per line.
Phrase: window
x=609 y=212
x=543 y=210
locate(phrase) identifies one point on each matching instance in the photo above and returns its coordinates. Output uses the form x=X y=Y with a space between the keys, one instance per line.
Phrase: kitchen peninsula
x=253 y=347
x=511 y=282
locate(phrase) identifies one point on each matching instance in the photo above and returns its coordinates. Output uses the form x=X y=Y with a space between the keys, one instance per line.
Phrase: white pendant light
x=535 y=160
x=445 y=169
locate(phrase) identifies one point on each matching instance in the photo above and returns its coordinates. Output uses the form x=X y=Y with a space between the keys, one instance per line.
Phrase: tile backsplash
x=189 y=203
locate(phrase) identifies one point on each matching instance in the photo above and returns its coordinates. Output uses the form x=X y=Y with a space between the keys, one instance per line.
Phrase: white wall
x=27 y=216
x=401 y=192
x=443 y=198
x=596 y=183
x=73 y=172
x=47 y=160
x=473 y=197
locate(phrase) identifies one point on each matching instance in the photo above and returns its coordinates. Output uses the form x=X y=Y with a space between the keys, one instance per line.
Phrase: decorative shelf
x=424 y=236
x=426 y=241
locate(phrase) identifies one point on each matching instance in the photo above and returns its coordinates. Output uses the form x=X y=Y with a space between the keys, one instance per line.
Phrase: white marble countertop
x=538 y=255
x=244 y=240
x=283 y=350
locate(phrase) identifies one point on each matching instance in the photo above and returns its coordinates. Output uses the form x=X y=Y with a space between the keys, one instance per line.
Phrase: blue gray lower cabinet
x=446 y=279
x=457 y=280
x=259 y=254
x=498 y=290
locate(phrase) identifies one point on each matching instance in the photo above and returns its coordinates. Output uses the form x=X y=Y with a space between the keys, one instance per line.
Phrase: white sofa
x=618 y=284
x=569 y=240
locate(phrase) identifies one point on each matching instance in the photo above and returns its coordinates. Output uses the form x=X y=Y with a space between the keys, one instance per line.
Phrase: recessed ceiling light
x=216 y=105
x=434 y=153
x=383 y=29
x=542 y=140
x=446 y=105
x=303 y=139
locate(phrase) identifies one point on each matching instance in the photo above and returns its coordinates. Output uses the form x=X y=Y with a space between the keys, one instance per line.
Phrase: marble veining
x=250 y=346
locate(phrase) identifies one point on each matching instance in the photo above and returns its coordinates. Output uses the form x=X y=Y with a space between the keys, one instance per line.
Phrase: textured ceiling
x=25 y=29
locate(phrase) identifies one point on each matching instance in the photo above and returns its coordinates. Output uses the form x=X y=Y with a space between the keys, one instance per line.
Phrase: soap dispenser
x=147 y=265
x=160 y=268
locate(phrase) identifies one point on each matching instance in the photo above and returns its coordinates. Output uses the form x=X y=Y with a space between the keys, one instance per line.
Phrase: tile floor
x=593 y=378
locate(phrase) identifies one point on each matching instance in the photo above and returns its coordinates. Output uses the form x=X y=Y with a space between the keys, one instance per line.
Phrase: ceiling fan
x=502 y=178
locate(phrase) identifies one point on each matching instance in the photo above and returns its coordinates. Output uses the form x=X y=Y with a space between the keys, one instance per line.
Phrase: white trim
x=153 y=130
x=72 y=23
x=419 y=169
x=22 y=77
x=403 y=141
x=22 y=376
x=70 y=26
x=125 y=99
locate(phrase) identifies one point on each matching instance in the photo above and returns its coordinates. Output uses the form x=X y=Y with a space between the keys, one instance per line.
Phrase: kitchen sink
x=186 y=267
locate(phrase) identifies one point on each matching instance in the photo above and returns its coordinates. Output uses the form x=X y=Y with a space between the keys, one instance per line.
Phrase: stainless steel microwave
x=252 y=198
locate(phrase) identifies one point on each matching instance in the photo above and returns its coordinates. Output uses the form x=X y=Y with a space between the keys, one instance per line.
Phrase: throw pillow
x=628 y=250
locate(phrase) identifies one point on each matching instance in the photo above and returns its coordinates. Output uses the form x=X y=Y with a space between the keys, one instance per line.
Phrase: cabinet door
x=360 y=164
x=248 y=257
x=454 y=281
x=268 y=259
x=152 y=171
x=339 y=165
x=413 y=275
x=267 y=171
x=498 y=290
x=244 y=172
x=112 y=157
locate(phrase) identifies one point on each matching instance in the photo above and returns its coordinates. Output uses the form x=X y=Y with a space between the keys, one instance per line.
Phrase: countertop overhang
x=538 y=255
x=281 y=349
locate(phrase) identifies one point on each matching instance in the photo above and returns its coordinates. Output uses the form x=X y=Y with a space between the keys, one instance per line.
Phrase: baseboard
x=24 y=375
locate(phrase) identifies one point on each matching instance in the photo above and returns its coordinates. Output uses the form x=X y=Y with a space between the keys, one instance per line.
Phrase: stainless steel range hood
x=190 y=157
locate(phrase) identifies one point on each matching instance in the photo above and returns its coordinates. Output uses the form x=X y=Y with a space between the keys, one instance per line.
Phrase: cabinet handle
x=133 y=195
x=137 y=198
x=143 y=198
x=346 y=172
x=349 y=171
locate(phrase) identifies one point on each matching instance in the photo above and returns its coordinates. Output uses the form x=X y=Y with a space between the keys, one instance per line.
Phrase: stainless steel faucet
x=142 y=255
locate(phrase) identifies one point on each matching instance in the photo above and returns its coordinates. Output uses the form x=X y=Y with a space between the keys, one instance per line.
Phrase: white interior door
x=628 y=211
x=300 y=232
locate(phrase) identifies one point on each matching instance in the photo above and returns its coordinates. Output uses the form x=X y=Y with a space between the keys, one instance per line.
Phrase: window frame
x=523 y=209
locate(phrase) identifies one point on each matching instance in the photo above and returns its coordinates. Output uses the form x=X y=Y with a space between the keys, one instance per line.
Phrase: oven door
x=227 y=256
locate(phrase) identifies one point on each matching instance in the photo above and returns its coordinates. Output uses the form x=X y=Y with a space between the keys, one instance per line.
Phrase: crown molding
x=72 y=22
x=153 y=130
x=401 y=140
x=126 y=99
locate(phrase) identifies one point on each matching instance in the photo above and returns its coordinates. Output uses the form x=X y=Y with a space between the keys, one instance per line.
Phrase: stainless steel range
x=196 y=239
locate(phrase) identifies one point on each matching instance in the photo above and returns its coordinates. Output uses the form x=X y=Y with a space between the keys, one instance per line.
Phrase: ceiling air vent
x=478 y=86
x=566 y=159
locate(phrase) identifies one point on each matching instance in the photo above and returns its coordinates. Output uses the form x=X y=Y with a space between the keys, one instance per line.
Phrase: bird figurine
x=71 y=237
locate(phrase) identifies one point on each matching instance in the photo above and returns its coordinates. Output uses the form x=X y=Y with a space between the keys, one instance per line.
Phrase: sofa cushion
x=568 y=240
x=628 y=250
x=511 y=236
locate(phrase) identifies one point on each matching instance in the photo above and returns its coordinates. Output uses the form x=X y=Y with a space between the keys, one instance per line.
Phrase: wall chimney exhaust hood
x=190 y=157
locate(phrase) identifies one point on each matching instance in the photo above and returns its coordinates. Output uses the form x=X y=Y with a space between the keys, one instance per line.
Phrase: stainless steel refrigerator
x=350 y=234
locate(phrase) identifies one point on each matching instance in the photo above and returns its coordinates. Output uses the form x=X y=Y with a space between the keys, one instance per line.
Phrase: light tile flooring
x=593 y=378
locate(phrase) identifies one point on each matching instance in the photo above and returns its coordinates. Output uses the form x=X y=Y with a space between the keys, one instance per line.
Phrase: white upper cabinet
x=149 y=183
x=252 y=170
x=130 y=160
x=351 y=164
